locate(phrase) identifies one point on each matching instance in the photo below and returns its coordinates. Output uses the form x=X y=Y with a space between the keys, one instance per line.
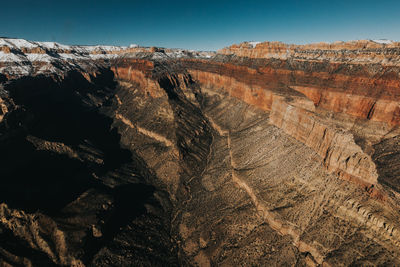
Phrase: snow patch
x=103 y=56
x=17 y=43
x=159 y=55
x=39 y=57
x=67 y=56
x=17 y=70
x=253 y=43
x=102 y=48
x=10 y=57
x=54 y=45
x=383 y=41
x=54 y=57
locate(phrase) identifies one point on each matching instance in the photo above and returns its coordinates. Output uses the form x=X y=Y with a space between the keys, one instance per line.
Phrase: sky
x=199 y=25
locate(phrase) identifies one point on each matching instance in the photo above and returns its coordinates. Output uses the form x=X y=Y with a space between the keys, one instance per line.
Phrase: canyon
x=259 y=154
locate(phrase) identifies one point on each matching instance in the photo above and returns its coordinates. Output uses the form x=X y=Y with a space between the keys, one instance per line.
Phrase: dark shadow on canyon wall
x=129 y=203
x=387 y=159
x=58 y=142
x=3 y=78
x=12 y=243
x=67 y=113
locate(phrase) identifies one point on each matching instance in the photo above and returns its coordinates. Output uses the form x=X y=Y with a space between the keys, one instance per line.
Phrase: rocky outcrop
x=337 y=148
x=139 y=72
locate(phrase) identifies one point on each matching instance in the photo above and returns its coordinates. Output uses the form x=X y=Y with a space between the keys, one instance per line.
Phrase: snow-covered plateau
x=20 y=57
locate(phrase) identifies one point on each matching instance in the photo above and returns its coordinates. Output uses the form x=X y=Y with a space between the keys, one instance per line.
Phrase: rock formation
x=261 y=154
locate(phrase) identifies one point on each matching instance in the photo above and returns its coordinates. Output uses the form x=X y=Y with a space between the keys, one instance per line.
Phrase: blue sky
x=200 y=25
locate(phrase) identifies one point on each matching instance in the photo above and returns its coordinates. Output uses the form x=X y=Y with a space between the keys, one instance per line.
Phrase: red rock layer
x=355 y=105
x=329 y=85
x=138 y=71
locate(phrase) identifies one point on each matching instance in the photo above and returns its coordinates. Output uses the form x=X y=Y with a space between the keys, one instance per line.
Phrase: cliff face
x=264 y=154
x=359 y=78
x=338 y=150
x=363 y=51
x=335 y=87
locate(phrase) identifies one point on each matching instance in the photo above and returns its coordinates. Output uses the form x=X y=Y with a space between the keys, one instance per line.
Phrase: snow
x=17 y=70
x=176 y=54
x=383 y=41
x=77 y=52
x=253 y=43
x=21 y=43
x=9 y=57
x=180 y=53
x=159 y=55
x=39 y=57
x=105 y=56
x=101 y=48
x=55 y=57
x=17 y=43
x=47 y=69
x=54 y=45
x=69 y=56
